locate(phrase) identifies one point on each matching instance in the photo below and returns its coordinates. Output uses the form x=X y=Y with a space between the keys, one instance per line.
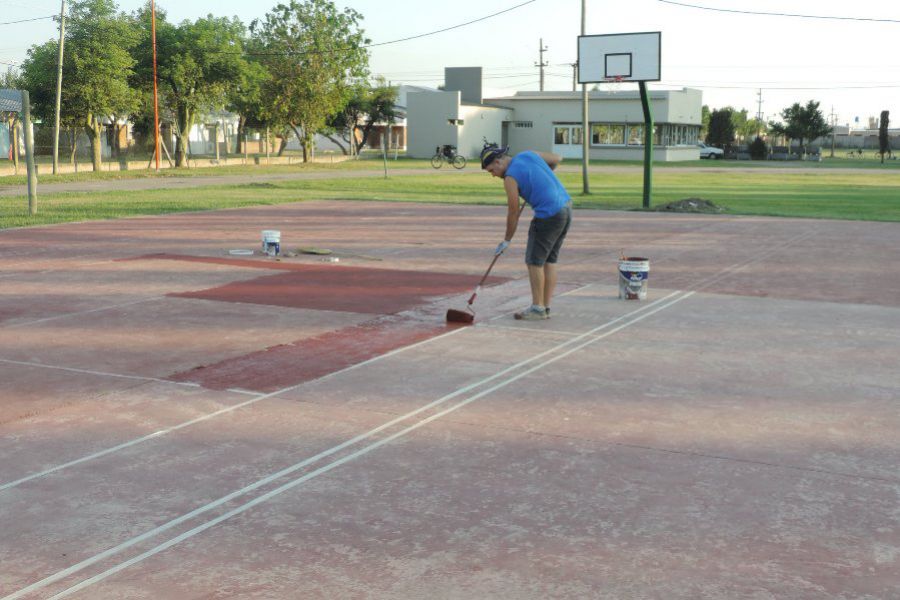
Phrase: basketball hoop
x=613 y=84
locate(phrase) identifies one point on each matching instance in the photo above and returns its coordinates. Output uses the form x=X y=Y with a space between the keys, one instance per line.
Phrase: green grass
x=85 y=174
x=826 y=193
x=840 y=161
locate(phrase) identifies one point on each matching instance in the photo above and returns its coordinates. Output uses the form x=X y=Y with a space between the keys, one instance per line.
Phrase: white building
x=551 y=121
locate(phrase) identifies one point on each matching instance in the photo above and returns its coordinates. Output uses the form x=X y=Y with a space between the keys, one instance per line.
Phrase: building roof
x=593 y=95
x=10 y=100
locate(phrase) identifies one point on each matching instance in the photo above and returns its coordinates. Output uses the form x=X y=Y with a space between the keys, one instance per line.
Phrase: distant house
x=10 y=108
x=551 y=121
x=398 y=129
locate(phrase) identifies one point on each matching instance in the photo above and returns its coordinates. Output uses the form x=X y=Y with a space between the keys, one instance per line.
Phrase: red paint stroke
x=288 y=365
x=334 y=287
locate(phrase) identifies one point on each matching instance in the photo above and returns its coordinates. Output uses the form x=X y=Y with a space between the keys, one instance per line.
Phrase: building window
x=567 y=134
x=676 y=135
x=561 y=135
x=607 y=134
x=635 y=135
x=576 y=136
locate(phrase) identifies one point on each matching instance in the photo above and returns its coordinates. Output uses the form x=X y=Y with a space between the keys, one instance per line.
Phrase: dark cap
x=491 y=152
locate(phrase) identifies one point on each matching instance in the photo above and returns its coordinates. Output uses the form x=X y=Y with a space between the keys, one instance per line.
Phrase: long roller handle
x=491 y=266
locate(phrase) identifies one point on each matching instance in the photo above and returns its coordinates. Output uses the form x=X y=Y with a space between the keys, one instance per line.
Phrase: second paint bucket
x=271 y=242
x=633 y=273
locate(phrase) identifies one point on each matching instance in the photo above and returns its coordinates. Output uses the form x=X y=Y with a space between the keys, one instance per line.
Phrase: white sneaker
x=532 y=313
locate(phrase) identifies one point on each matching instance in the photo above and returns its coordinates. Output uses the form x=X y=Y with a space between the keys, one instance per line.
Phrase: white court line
x=206 y=417
x=81 y=312
x=45 y=271
x=333 y=465
x=266 y=480
x=23 y=363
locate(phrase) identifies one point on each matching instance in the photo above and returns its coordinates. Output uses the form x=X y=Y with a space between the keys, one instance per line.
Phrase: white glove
x=501 y=247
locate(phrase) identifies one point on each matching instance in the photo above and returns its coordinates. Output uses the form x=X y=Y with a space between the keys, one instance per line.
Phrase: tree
x=96 y=71
x=380 y=108
x=802 y=123
x=884 y=142
x=721 y=128
x=312 y=52
x=704 y=121
x=246 y=100
x=198 y=64
x=367 y=106
x=11 y=79
x=341 y=127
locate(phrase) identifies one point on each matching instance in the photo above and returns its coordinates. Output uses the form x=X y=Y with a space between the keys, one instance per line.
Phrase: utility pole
x=574 y=66
x=585 y=124
x=759 y=114
x=833 y=123
x=155 y=88
x=59 y=69
x=541 y=64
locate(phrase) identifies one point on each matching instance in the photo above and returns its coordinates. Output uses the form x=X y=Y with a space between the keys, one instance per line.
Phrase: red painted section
x=334 y=287
x=291 y=364
x=326 y=287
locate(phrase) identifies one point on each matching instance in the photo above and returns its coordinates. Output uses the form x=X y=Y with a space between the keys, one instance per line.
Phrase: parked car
x=710 y=151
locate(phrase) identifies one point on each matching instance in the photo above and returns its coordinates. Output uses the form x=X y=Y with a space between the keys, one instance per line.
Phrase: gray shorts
x=545 y=237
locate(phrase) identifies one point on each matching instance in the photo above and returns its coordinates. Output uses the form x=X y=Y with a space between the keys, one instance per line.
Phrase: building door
x=567 y=140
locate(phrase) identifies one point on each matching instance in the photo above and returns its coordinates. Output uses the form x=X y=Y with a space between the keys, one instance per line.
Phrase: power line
x=28 y=20
x=397 y=41
x=779 y=14
x=785 y=88
x=421 y=35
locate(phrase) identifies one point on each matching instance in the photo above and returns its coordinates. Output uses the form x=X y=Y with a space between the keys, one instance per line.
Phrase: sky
x=845 y=59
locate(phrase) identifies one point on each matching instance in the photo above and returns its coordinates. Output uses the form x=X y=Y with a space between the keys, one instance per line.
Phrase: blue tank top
x=537 y=184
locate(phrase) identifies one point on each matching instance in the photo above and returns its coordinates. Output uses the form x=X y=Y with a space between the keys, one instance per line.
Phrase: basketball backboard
x=619 y=56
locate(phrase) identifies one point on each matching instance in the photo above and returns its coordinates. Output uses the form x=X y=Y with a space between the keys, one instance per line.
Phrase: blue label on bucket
x=634 y=276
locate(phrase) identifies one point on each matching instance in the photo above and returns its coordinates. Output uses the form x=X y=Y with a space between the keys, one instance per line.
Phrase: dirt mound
x=692 y=205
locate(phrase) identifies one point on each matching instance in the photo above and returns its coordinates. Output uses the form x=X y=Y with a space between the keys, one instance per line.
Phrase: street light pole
x=59 y=71
x=585 y=127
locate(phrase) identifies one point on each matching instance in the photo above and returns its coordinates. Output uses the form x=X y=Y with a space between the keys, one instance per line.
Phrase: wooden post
x=155 y=84
x=15 y=145
x=216 y=141
x=384 y=143
x=29 y=154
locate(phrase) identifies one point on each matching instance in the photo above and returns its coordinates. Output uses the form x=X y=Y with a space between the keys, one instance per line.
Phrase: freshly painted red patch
x=383 y=292
x=335 y=287
x=287 y=365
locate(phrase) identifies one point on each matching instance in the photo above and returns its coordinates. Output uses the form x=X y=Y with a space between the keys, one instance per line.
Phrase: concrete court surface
x=176 y=422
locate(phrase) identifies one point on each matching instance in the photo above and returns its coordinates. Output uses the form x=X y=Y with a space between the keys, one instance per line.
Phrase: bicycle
x=888 y=155
x=447 y=153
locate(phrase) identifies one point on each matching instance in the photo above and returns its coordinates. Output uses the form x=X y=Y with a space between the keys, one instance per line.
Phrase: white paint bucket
x=633 y=273
x=271 y=242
